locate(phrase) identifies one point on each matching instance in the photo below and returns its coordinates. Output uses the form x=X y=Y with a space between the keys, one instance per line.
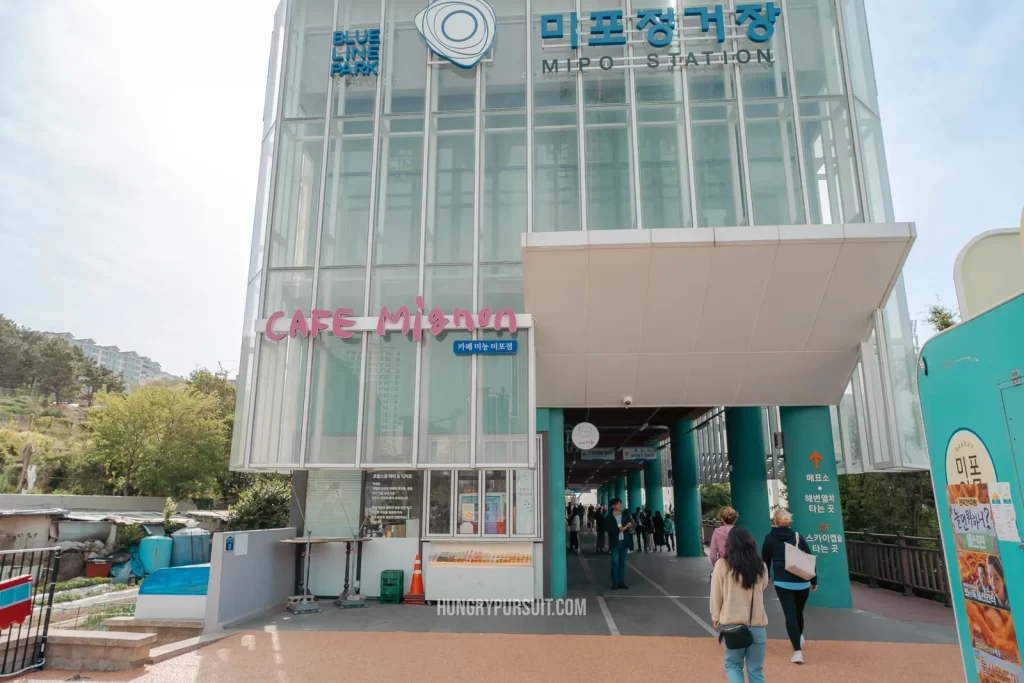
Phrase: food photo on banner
x=983 y=582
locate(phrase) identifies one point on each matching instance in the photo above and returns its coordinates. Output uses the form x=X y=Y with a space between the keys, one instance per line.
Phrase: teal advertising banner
x=972 y=401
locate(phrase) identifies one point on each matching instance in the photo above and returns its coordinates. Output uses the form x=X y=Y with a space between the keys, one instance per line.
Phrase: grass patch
x=80 y=583
x=95 y=622
x=71 y=597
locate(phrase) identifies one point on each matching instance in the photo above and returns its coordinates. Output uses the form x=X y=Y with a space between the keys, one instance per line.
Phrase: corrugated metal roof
x=34 y=512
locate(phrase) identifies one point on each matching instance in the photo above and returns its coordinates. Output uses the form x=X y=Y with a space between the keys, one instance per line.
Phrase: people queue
x=740 y=574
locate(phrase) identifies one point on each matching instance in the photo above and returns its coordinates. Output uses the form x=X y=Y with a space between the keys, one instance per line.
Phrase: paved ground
x=297 y=657
x=660 y=626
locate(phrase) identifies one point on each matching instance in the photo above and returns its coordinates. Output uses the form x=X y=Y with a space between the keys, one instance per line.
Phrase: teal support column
x=635 y=486
x=812 y=488
x=603 y=498
x=652 y=486
x=685 y=491
x=556 y=501
x=748 y=475
x=620 y=490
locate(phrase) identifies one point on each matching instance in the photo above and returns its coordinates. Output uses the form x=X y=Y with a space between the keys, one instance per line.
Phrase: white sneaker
x=797 y=658
x=801 y=641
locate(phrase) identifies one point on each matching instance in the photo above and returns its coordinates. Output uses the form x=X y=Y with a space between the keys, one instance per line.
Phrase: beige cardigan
x=730 y=603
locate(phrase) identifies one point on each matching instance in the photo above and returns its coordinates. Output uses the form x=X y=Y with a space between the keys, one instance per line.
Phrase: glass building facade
x=420 y=179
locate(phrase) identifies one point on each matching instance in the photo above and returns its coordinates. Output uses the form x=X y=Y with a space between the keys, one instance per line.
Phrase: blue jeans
x=754 y=656
x=618 y=564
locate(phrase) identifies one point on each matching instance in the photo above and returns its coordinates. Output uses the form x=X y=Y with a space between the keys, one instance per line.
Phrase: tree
x=96 y=378
x=159 y=441
x=941 y=318
x=206 y=382
x=714 y=497
x=59 y=366
x=263 y=505
x=885 y=503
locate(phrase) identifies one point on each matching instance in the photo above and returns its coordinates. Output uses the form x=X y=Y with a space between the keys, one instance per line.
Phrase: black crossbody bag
x=739 y=636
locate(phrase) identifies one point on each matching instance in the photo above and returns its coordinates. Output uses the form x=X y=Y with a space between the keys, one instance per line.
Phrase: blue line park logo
x=461 y=31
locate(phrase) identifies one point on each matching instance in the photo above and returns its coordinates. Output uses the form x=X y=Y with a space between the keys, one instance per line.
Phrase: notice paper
x=241 y=544
x=1003 y=514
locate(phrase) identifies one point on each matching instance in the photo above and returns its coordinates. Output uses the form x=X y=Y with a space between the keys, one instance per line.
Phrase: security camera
x=627 y=401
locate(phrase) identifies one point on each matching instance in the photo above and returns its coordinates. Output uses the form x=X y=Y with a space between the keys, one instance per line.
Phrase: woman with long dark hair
x=737 y=605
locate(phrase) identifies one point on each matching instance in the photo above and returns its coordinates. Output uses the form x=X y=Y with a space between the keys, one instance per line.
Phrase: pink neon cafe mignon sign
x=340 y=321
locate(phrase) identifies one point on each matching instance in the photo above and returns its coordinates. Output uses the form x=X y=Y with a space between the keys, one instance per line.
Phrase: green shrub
x=127 y=536
x=81 y=582
x=263 y=505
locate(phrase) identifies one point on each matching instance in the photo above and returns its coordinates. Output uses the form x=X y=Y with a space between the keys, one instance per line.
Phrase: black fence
x=23 y=645
x=911 y=564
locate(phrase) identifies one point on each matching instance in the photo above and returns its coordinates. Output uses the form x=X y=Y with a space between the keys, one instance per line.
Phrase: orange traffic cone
x=415 y=595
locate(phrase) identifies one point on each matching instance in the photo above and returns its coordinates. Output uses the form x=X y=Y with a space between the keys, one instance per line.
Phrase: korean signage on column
x=983 y=582
x=822 y=502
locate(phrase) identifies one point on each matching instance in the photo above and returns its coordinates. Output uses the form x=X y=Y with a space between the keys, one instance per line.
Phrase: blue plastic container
x=191 y=546
x=155 y=553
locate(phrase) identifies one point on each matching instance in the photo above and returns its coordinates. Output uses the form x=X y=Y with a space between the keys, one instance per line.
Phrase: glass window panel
x=391 y=504
x=876 y=172
x=661 y=84
x=467 y=503
x=609 y=181
x=445 y=395
x=716 y=160
x=399 y=198
x=390 y=395
x=524 y=503
x=774 y=178
x=501 y=287
x=767 y=72
x=710 y=83
x=496 y=502
x=505 y=77
x=816 y=61
x=297 y=195
x=448 y=287
x=355 y=96
x=454 y=88
x=277 y=418
x=602 y=86
x=309 y=59
x=553 y=84
x=259 y=223
x=393 y=287
x=829 y=163
x=504 y=215
x=273 y=91
x=342 y=288
x=334 y=401
x=858 y=53
x=347 y=205
x=244 y=381
x=288 y=291
x=556 y=180
x=404 y=59
x=450 y=233
x=440 y=513
x=503 y=403
x=899 y=340
x=664 y=187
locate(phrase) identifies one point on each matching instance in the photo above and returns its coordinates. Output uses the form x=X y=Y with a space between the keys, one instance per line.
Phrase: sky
x=130 y=137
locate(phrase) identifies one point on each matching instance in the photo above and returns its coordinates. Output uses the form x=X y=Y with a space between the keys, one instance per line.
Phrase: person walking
x=638 y=531
x=737 y=601
x=574 y=533
x=791 y=589
x=620 y=527
x=599 y=526
x=728 y=517
x=659 y=530
x=649 y=530
x=670 y=532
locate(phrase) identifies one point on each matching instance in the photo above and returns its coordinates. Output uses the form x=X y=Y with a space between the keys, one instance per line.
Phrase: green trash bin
x=392 y=586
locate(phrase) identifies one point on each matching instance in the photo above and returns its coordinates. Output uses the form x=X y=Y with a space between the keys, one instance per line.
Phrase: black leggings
x=793 y=607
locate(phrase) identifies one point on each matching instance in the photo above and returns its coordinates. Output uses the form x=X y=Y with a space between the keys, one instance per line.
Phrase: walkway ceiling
x=706 y=316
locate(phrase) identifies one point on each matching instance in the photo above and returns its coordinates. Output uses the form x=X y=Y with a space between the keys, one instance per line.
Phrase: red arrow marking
x=816 y=459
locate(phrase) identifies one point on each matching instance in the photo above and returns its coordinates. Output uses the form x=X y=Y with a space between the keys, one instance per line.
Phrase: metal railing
x=911 y=564
x=23 y=642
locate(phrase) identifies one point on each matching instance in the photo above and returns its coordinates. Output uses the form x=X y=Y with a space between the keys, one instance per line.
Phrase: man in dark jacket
x=619 y=527
x=791 y=589
x=599 y=527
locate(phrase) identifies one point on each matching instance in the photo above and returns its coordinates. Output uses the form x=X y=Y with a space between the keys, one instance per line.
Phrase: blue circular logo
x=461 y=31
